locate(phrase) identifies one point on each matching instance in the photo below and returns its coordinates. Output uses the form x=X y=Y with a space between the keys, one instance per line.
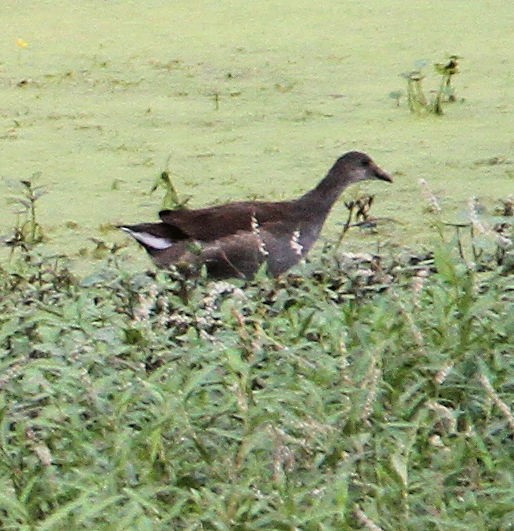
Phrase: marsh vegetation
x=361 y=391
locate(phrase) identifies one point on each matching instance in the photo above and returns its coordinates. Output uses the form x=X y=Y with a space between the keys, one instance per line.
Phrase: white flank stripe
x=155 y=242
x=295 y=244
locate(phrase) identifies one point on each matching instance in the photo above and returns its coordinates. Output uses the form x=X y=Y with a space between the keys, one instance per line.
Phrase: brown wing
x=207 y=224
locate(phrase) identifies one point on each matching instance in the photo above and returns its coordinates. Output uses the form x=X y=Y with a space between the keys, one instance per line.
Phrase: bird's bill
x=382 y=175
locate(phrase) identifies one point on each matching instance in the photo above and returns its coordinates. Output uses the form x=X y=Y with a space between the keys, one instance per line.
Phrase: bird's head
x=357 y=166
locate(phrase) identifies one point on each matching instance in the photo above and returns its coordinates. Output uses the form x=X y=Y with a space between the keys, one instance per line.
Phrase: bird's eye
x=365 y=163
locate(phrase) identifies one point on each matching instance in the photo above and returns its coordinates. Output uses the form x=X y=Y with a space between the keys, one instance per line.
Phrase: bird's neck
x=325 y=194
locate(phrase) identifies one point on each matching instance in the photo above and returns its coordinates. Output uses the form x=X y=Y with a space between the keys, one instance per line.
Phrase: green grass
x=344 y=397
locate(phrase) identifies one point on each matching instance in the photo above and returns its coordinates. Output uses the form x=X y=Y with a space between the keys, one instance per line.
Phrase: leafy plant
x=27 y=231
x=171 y=199
x=416 y=99
x=446 y=91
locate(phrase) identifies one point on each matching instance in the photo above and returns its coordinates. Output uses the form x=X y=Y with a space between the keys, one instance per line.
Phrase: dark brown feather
x=210 y=223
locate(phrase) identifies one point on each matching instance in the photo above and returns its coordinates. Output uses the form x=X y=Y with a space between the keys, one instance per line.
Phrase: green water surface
x=97 y=95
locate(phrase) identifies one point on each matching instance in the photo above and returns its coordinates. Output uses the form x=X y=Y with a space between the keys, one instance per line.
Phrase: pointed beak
x=379 y=173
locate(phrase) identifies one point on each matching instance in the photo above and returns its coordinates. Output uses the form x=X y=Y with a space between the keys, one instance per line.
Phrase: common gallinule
x=235 y=239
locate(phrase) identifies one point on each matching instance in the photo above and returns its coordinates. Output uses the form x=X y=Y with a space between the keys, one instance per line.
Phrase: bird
x=235 y=239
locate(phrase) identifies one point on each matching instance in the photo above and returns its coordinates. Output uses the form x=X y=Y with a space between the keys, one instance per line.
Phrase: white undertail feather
x=155 y=242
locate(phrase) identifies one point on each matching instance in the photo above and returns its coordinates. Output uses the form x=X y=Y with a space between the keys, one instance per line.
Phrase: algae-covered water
x=247 y=99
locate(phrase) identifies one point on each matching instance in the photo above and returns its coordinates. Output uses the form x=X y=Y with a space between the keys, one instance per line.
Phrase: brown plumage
x=235 y=239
